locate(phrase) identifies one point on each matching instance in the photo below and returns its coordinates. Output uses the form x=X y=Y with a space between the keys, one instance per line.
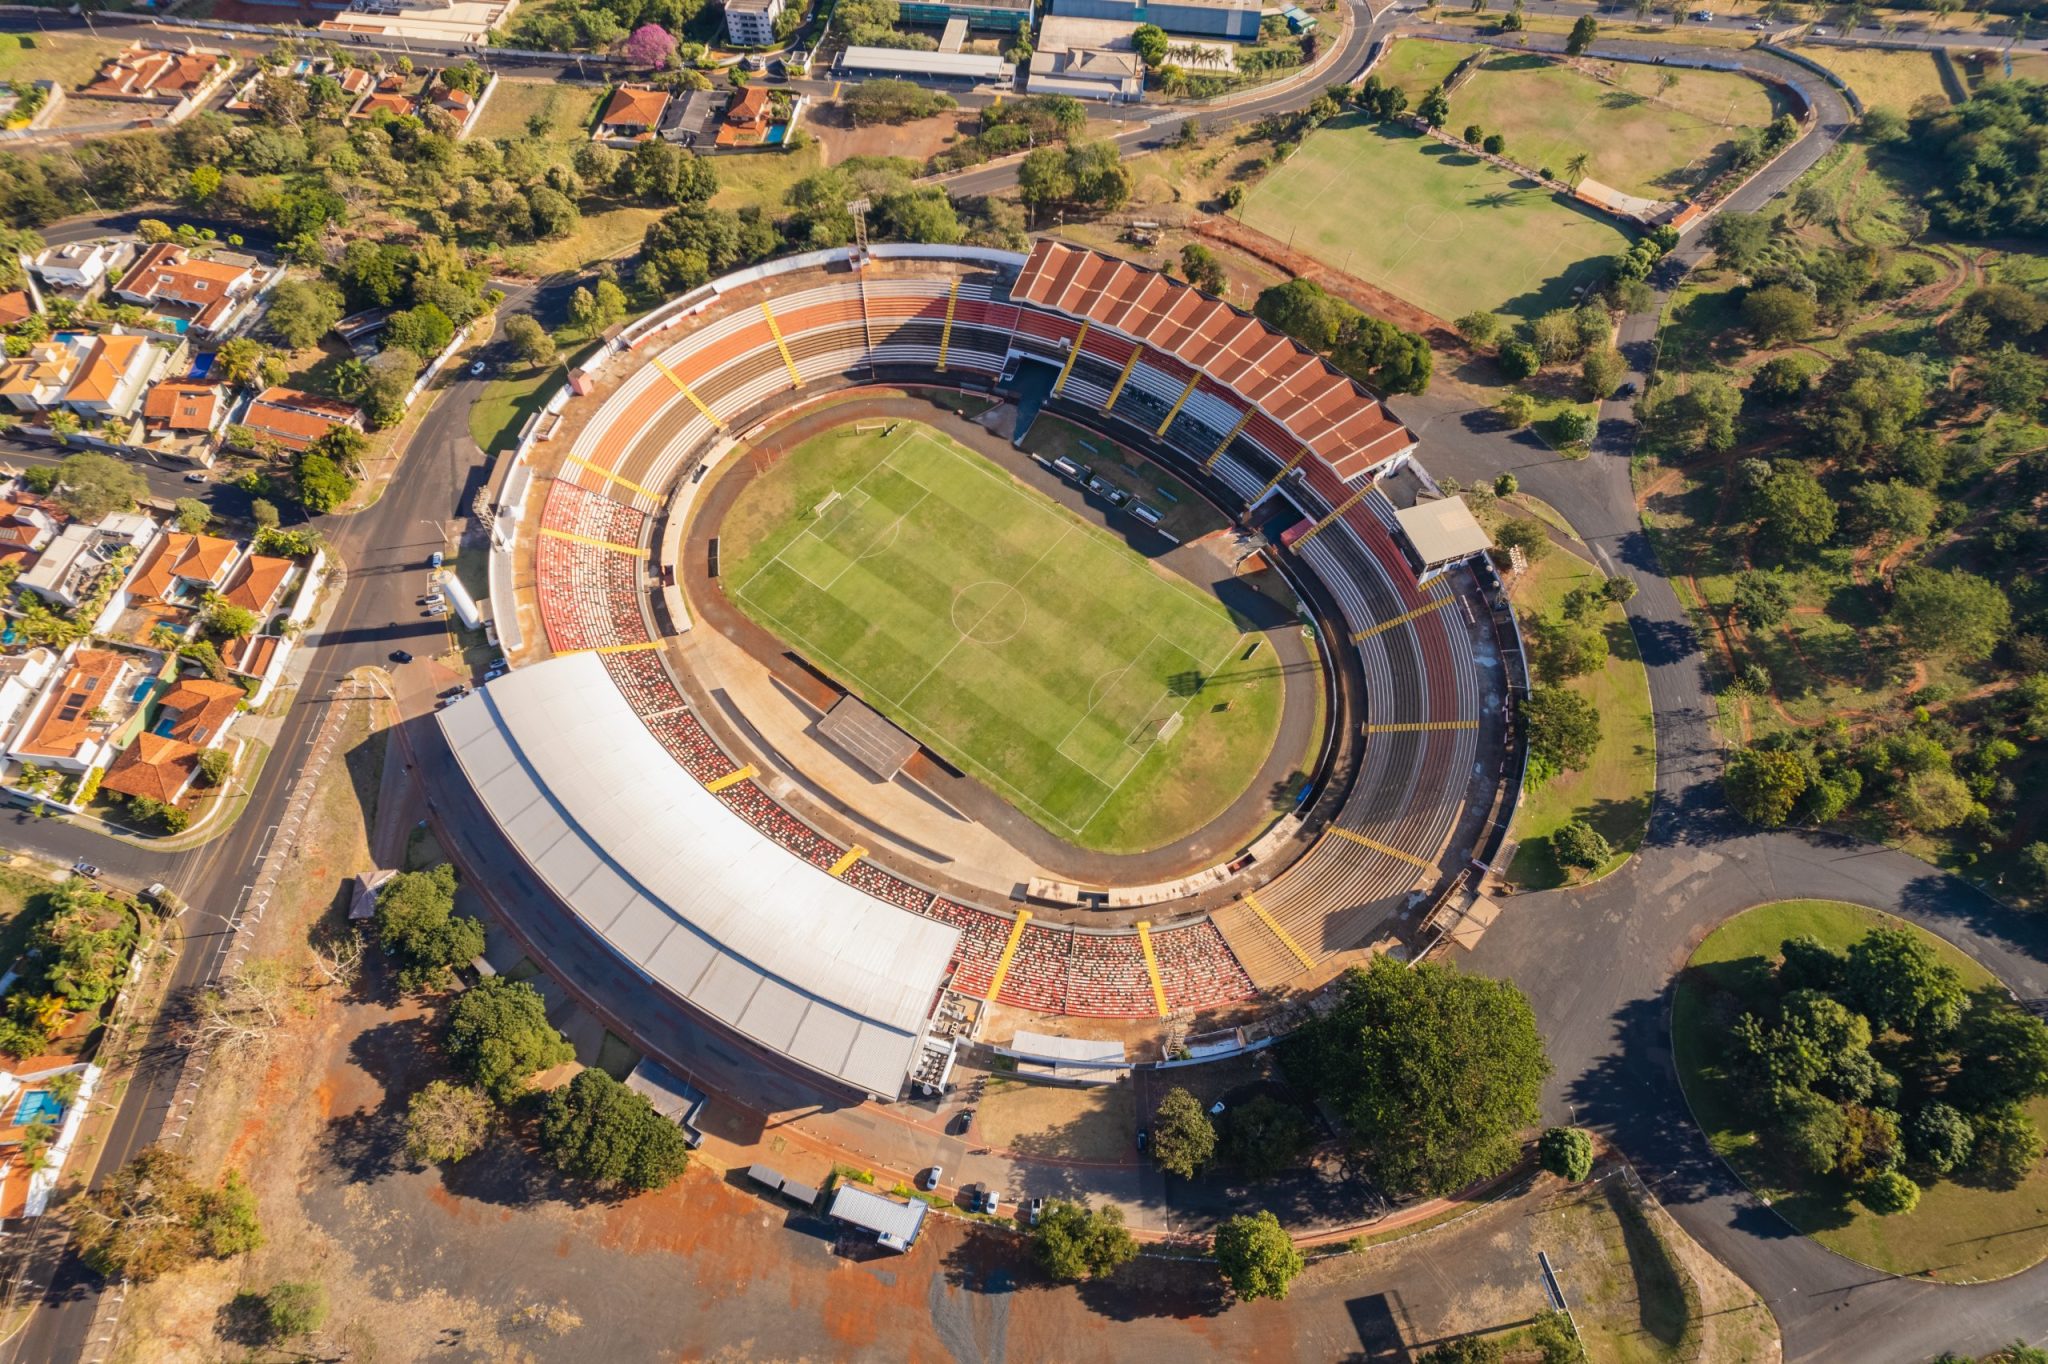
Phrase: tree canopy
x=597 y=1129
x=1433 y=1072
x=499 y=1034
x=1183 y=1138
x=1073 y=1242
x=1257 y=1257
x=151 y=1217
x=1949 y=611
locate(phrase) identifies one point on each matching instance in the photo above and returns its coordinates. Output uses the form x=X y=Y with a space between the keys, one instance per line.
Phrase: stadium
x=922 y=644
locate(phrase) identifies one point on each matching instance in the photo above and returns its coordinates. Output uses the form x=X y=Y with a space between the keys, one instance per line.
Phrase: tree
x=530 y=341
x=91 y=485
x=1203 y=269
x=302 y=311
x=2012 y=379
x=1582 y=35
x=1794 y=509
x=387 y=380
x=1780 y=379
x=1435 y=108
x=1073 y=1242
x=1575 y=168
x=1949 y=612
x=1893 y=508
x=1518 y=360
x=1561 y=727
x=192 y=515
x=294 y=1309
x=264 y=513
x=1183 y=1138
x=1566 y=1152
x=1480 y=328
x=1469 y=1350
x=1763 y=785
x=320 y=483
x=1578 y=844
x=1257 y=1257
x=446 y=1122
x=1432 y=1072
x=1526 y=534
x=222 y=619
x=1778 y=312
x=1264 y=1136
x=1894 y=979
x=416 y=922
x=424 y=330
x=649 y=45
x=1889 y=1193
x=1940 y=1138
x=1517 y=409
x=597 y=1129
x=499 y=1034
x=1739 y=239
x=1601 y=372
x=151 y=1218
x=1620 y=591
x=889 y=101
x=1150 y=42
x=2003 y=1056
x=2007 y=1149
x=214 y=766
x=1761 y=599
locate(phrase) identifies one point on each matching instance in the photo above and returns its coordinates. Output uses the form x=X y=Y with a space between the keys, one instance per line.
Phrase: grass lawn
x=1689 y=35
x=1882 y=78
x=69 y=59
x=1415 y=65
x=1440 y=228
x=496 y=418
x=1612 y=792
x=1957 y=1233
x=1109 y=700
x=567 y=110
x=1096 y=1122
x=1642 y=138
x=23 y=900
x=763 y=178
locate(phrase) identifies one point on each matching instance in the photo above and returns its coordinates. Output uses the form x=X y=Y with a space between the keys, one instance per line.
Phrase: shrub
x=1566 y=1152
x=1579 y=844
x=1889 y=1194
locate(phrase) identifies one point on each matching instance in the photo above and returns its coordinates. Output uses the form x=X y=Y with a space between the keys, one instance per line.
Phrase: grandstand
x=1264 y=427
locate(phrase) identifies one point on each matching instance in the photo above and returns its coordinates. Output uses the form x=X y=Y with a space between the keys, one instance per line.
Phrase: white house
x=80 y=265
x=72 y=724
x=22 y=679
x=117 y=372
x=64 y=571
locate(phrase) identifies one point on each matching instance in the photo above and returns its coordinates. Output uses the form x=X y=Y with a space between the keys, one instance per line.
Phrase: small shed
x=362 y=898
x=894 y=1224
x=767 y=1176
x=1441 y=532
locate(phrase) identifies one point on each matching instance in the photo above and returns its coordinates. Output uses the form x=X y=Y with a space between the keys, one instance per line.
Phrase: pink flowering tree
x=650 y=45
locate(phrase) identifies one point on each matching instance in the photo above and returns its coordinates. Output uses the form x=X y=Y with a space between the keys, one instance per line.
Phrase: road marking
x=1286 y=940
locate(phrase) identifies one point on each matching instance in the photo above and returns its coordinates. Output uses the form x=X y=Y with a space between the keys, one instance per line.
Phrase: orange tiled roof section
x=250 y=654
x=203 y=708
x=1347 y=427
x=182 y=406
x=635 y=106
x=255 y=583
x=90 y=680
x=178 y=555
x=152 y=766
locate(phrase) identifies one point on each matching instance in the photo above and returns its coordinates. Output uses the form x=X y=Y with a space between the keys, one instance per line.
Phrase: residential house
x=116 y=374
x=16 y=307
x=80 y=266
x=29 y=1106
x=192 y=717
x=389 y=97
x=26 y=529
x=633 y=115
x=295 y=419
x=183 y=418
x=154 y=75
x=38 y=379
x=751 y=111
x=72 y=725
x=207 y=294
x=751 y=23
x=256 y=583
x=63 y=573
x=22 y=678
x=181 y=569
x=459 y=105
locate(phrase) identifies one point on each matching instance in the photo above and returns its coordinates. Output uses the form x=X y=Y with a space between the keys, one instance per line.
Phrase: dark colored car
x=400 y=656
x=963 y=1122
x=1627 y=390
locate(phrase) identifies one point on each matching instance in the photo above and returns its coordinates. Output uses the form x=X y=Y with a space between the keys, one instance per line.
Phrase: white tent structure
x=693 y=897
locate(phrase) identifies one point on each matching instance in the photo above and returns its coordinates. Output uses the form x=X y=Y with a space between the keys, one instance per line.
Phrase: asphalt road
x=384 y=549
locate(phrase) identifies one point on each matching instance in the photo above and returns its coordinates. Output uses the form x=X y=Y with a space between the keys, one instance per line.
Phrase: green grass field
x=1414 y=65
x=1443 y=229
x=1107 y=699
x=1612 y=792
x=1642 y=137
x=1884 y=79
x=1958 y=1232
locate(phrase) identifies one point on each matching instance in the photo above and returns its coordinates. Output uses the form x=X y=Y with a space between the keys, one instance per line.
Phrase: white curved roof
x=687 y=891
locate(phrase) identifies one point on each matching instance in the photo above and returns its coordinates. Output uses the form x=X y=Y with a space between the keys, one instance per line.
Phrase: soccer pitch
x=1031 y=648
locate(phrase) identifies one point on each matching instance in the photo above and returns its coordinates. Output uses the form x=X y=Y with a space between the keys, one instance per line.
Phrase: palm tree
x=1575 y=168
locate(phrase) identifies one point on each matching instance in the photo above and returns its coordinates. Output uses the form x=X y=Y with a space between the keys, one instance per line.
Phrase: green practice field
x=1641 y=135
x=1107 y=699
x=1437 y=227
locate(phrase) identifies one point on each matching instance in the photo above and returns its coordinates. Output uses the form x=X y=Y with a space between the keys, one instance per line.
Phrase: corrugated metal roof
x=685 y=889
x=882 y=1216
x=944 y=65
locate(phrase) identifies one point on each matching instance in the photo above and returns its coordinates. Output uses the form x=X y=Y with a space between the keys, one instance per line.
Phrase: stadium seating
x=1418 y=665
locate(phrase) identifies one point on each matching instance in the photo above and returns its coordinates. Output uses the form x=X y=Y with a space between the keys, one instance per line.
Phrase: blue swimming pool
x=38 y=1105
x=776 y=132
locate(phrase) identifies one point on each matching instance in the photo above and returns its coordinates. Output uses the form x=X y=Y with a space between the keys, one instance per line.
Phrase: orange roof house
x=255 y=583
x=154 y=766
x=633 y=115
x=200 y=710
x=296 y=419
x=114 y=376
x=250 y=655
x=167 y=275
x=183 y=563
x=750 y=110
x=15 y=306
x=386 y=101
x=35 y=380
x=140 y=73
x=178 y=406
x=66 y=732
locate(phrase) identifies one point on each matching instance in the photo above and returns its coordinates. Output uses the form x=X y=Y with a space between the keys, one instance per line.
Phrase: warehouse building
x=946 y=68
x=1236 y=19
